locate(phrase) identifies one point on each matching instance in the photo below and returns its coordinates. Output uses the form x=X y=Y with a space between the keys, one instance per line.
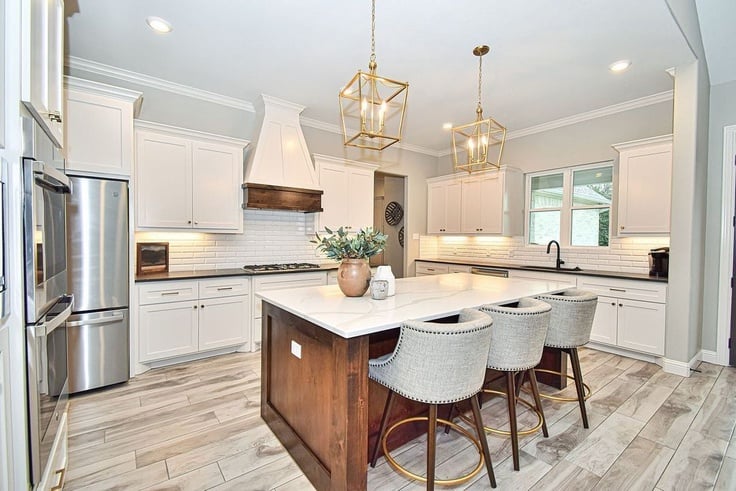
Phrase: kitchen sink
x=550 y=268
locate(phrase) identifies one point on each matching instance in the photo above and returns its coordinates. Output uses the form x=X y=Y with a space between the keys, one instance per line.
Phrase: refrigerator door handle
x=102 y=320
x=45 y=328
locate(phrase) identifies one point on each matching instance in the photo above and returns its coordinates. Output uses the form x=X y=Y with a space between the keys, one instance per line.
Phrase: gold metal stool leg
x=553 y=397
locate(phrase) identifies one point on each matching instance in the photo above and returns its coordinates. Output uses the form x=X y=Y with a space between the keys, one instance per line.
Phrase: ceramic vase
x=354 y=277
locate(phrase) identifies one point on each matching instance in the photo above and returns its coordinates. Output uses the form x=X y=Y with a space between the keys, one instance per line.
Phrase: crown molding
x=90 y=66
x=655 y=140
x=140 y=124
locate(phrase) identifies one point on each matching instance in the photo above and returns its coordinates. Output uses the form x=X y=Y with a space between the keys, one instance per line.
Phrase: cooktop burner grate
x=280 y=267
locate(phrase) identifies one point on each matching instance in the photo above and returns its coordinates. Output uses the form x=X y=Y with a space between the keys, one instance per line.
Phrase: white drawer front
x=166 y=291
x=431 y=268
x=224 y=287
x=458 y=268
x=281 y=281
x=648 y=291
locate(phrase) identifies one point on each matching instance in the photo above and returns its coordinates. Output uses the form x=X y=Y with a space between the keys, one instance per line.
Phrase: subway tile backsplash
x=268 y=237
x=627 y=255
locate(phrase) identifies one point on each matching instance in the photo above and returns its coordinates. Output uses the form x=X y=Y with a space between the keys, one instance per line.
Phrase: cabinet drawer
x=166 y=291
x=224 y=287
x=457 y=268
x=647 y=291
x=431 y=268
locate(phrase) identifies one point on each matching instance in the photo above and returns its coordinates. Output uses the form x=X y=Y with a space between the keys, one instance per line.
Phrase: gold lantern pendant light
x=375 y=104
x=478 y=146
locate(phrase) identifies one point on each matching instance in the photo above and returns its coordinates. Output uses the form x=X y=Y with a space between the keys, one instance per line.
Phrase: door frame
x=728 y=202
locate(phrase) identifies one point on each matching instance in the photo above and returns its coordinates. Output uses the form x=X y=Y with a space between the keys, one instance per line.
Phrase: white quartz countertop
x=421 y=298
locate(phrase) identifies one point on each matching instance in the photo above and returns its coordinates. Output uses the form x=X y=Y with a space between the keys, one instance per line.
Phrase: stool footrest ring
x=497 y=431
x=551 y=397
x=444 y=482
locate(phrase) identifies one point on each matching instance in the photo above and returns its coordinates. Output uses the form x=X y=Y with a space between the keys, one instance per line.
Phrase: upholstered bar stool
x=436 y=364
x=569 y=327
x=517 y=342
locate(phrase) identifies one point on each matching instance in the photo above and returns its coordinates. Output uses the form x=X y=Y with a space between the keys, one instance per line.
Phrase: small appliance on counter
x=152 y=257
x=659 y=262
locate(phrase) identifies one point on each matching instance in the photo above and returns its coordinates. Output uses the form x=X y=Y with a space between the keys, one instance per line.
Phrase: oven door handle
x=46 y=328
x=102 y=320
x=50 y=178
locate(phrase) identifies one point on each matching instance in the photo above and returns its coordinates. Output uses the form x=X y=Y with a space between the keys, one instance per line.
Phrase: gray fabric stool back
x=436 y=363
x=517 y=342
x=572 y=319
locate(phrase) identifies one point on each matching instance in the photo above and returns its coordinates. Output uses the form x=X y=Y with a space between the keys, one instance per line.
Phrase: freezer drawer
x=99 y=353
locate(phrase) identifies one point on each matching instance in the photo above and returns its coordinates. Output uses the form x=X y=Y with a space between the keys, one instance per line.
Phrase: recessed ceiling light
x=158 y=24
x=447 y=126
x=619 y=66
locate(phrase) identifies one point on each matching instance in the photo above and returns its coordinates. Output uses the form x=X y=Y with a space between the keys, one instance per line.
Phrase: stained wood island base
x=315 y=392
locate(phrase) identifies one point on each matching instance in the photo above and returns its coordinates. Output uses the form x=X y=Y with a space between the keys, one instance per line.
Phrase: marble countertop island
x=421 y=298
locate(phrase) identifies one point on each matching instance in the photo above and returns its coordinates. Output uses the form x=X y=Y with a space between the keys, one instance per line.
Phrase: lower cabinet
x=182 y=317
x=424 y=268
x=277 y=282
x=630 y=314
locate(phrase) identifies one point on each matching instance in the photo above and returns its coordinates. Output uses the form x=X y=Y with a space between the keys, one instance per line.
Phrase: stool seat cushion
x=572 y=318
x=518 y=334
x=437 y=363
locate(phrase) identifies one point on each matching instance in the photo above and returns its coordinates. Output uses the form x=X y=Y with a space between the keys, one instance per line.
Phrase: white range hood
x=280 y=174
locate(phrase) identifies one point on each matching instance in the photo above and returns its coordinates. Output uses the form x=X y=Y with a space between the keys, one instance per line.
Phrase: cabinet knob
x=202 y=306
x=196 y=223
x=613 y=303
x=189 y=222
x=620 y=305
x=55 y=117
x=195 y=307
x=622 y=227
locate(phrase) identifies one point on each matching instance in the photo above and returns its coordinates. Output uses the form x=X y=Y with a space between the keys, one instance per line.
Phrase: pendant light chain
x=479 y=110
x=373 y=32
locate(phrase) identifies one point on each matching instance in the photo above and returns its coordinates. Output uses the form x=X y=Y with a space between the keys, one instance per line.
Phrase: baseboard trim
x=681 y=368
x=623 y=352
x=710 y=356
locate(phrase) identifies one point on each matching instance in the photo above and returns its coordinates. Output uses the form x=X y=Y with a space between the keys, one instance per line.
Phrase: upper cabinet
x=486 y=203
x=645 y=186
x=444 y=205
x=99 y=127
x=348 y=193
x=43 y=64
x=187 y=179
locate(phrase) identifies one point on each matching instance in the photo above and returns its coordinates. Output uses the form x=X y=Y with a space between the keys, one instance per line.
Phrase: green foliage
x=341 y=245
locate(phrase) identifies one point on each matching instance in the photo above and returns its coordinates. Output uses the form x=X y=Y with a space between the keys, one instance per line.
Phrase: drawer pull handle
x=223 y=288
x=163 y=294
x=617 y=289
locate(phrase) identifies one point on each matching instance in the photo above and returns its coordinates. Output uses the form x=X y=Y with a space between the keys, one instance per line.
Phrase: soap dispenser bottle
x=384 y=273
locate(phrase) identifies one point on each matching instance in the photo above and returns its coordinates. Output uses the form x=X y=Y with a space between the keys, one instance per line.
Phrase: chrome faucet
x=559 y=262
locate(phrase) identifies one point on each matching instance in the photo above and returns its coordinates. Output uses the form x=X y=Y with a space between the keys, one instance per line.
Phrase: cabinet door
x=334 y=182
x=99 y=133
x=5 y=448
x=42 y=49
x=167 y=329
x=163 y=181
x=641 y=326
x=491 y=203
x=360 y=202
x=216 y=182
x=224 y=322
x=453 y=208
x=645 y=183
x=436 y=205
x=471 y=206
x=605 y=321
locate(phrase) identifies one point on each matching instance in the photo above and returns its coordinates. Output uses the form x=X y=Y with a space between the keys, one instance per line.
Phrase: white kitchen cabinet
x=645 y=186
x=182 y=317
x=99 y=127
x=188 y=180
x=6 y=463
x=42 y=48
x=444 y=205
x=268 y=282
x=630 y=314
x=348 y=193
x=424 y=268
x=491 y=203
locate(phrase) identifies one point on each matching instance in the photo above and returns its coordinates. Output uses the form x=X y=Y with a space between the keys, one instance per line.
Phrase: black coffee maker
x=659 y=262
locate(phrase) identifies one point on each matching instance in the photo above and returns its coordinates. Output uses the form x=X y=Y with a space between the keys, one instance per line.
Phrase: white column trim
x=727 y=244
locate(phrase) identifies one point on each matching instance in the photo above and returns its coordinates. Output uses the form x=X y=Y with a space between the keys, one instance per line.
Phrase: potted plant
x=353 y=251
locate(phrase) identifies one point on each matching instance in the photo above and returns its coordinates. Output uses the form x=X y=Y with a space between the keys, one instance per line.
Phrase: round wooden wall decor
x=394 y=213
x=401 y=237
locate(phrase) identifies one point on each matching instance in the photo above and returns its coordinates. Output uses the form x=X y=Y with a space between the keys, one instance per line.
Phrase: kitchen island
x=315 y=392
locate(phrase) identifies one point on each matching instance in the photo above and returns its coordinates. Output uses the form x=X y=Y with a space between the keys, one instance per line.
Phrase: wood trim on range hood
x=269 y=197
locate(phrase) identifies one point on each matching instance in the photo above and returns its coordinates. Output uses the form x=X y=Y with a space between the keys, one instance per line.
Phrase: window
x=571 y=206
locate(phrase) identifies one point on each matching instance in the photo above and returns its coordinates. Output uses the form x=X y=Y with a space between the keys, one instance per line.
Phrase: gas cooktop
x=279 y=267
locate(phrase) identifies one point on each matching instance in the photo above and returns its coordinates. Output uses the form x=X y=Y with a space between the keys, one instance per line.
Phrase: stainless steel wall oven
x=47 y=304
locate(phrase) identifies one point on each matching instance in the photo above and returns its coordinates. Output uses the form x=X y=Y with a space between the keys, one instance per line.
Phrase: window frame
x=567 y=208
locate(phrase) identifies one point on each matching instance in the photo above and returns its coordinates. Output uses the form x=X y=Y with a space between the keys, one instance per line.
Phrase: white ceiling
x=716 y=19
x=548 y=59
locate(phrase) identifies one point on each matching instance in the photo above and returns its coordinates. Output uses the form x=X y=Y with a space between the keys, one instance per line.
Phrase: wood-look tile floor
x=196 y=426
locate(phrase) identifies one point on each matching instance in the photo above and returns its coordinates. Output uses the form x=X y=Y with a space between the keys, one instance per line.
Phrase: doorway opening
x=389 y=216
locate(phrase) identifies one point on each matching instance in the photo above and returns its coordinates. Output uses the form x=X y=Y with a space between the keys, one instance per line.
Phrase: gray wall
x=722 y=114
x=589 y=141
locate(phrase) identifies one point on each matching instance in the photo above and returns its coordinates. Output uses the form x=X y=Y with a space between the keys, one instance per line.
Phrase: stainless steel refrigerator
x=98 y=331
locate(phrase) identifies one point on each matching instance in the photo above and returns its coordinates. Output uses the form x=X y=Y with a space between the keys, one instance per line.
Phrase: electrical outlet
x=296 y=349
